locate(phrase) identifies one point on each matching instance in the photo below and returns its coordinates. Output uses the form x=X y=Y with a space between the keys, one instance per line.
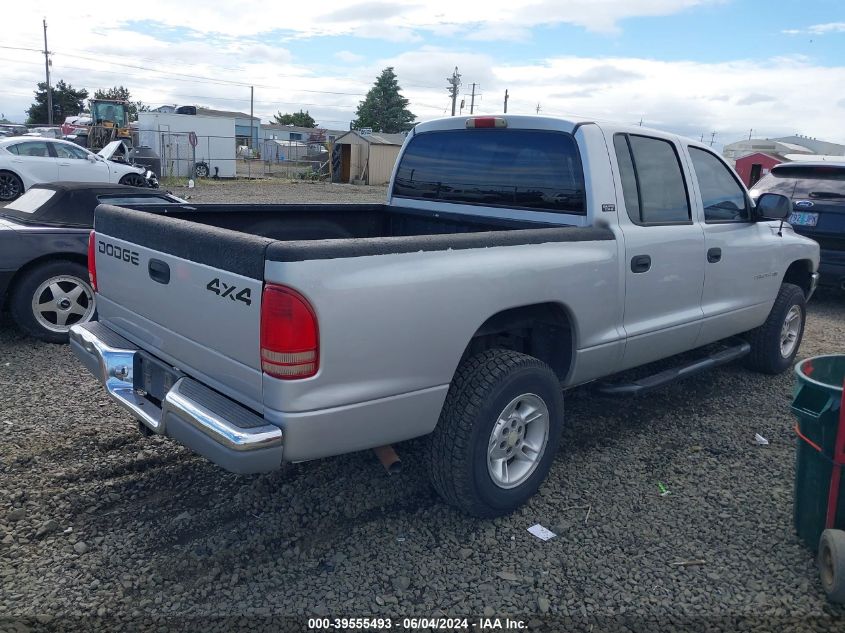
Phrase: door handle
x=714 y=255
x=64 y=164
x=640 y=263
x=159 y=271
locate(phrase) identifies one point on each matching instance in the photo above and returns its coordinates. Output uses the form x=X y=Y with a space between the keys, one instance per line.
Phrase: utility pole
x=712 y=138
x=47 y=71
x=506 y=101
x=641 y=121
x=702 y=137
x=454 y=81
x=749 y=133
x=251 y=137
x=472 y=100
x=538 y=108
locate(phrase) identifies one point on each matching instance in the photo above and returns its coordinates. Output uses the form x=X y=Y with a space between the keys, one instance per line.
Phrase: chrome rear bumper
x=198 y=417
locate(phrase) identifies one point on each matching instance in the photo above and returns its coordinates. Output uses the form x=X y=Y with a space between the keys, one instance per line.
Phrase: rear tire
x=59 y=284
x=831 y=561
x=498 y=433
x=775 y=344
x=11 y=187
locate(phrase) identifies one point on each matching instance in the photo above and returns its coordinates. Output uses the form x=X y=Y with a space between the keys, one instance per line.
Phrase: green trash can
x=817 y=403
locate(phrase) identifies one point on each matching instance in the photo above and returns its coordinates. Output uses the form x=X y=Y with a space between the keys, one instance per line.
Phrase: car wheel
x=133 y=180
x=201 y=170
x=775 y=343
x=831 y=562
x=11 y=186
x=50 y=298
x=498 y=433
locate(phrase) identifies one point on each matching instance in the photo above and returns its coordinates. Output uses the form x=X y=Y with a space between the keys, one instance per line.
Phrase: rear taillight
x=289 y=335
x=92 y=262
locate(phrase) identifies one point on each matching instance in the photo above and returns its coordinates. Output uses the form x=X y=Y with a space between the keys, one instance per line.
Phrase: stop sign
x=192 y=138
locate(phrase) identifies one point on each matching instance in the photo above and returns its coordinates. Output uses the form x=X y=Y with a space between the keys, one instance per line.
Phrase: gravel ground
x=101 y=527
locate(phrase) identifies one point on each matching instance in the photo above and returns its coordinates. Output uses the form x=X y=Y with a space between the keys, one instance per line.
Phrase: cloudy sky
x=691 y=66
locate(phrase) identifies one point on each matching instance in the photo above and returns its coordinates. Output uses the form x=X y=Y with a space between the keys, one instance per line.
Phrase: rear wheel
x=831 y=562
x=133 y=180
x=497 y=434
x=50 y=298
x=10 y=186
x=775 y=344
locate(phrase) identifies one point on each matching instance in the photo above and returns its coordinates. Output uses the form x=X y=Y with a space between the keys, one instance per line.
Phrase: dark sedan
x=817 y=191
x=44 y=252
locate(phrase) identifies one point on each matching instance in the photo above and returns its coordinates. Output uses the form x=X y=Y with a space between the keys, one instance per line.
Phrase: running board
x=644 y=385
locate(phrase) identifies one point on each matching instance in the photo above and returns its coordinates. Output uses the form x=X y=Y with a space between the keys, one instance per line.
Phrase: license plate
x=803 y=218
x=153 y=376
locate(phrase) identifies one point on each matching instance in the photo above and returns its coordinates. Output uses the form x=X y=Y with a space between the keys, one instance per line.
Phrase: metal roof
x=225 y=113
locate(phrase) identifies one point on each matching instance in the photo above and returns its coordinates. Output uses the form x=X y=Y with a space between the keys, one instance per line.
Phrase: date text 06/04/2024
x=413 y=624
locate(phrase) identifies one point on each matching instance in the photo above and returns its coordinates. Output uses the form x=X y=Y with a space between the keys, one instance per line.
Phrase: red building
x=753 y=167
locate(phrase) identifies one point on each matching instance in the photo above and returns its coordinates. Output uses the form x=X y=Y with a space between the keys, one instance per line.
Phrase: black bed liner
x=239 y=238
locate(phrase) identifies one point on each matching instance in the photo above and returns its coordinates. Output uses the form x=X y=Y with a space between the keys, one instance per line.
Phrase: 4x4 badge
x=222 y=289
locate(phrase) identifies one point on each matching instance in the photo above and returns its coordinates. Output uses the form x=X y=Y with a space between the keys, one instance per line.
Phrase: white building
x=168 y=135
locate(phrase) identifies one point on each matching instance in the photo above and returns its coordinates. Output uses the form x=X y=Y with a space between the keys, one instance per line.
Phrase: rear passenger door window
x=653 y=183
x=723 y=198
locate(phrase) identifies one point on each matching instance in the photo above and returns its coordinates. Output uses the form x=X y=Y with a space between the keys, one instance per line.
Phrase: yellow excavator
x=109 y=122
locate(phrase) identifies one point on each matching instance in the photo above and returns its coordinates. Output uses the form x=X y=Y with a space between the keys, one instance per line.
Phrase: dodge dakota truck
x=515 y=257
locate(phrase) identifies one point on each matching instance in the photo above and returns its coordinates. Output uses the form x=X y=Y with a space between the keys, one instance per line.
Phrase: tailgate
x=186 y=292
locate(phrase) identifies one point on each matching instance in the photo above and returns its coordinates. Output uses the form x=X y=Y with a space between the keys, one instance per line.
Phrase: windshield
x=114 y=112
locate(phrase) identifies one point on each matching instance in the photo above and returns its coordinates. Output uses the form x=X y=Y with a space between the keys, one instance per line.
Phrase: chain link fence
x=213 y=156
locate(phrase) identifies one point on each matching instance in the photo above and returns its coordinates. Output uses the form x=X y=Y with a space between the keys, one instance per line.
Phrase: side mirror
x=773 y=206
x=92 y=157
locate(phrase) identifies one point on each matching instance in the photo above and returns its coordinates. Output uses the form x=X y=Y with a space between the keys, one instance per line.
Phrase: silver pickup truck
x=515 y=257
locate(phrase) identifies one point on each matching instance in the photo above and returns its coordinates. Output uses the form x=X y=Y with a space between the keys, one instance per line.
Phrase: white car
x=25 y=161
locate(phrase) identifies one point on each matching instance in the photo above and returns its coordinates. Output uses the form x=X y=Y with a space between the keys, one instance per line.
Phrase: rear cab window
x=538 y=170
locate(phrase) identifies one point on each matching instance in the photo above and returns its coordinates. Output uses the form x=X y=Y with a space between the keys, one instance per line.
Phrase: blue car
x=817 y=191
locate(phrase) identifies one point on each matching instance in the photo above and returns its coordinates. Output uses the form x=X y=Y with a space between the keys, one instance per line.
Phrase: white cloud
x=260 y=45
x=818 y=29
x=349 y=57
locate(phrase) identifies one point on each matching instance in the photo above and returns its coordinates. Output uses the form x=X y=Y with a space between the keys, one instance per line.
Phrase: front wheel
x=498 y=433
x=775 y=343
x=50 y=298
x=133 y=180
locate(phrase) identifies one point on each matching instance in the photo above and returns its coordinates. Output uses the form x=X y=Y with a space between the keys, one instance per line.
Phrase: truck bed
x=239 y=238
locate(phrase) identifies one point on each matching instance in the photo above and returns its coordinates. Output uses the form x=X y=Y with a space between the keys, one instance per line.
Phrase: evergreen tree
x=66 y=102
x=299 y=119
x=384 y=109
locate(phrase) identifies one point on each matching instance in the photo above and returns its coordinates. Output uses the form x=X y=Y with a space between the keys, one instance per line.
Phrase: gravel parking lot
x=99 y=524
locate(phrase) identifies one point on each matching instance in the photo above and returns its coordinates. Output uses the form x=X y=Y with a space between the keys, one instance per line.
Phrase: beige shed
x=365 y=158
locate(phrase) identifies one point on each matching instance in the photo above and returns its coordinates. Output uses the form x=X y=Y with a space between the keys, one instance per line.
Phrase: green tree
x=66 y=102
x=384 y=109
x=122 y=94
x=299 y=119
